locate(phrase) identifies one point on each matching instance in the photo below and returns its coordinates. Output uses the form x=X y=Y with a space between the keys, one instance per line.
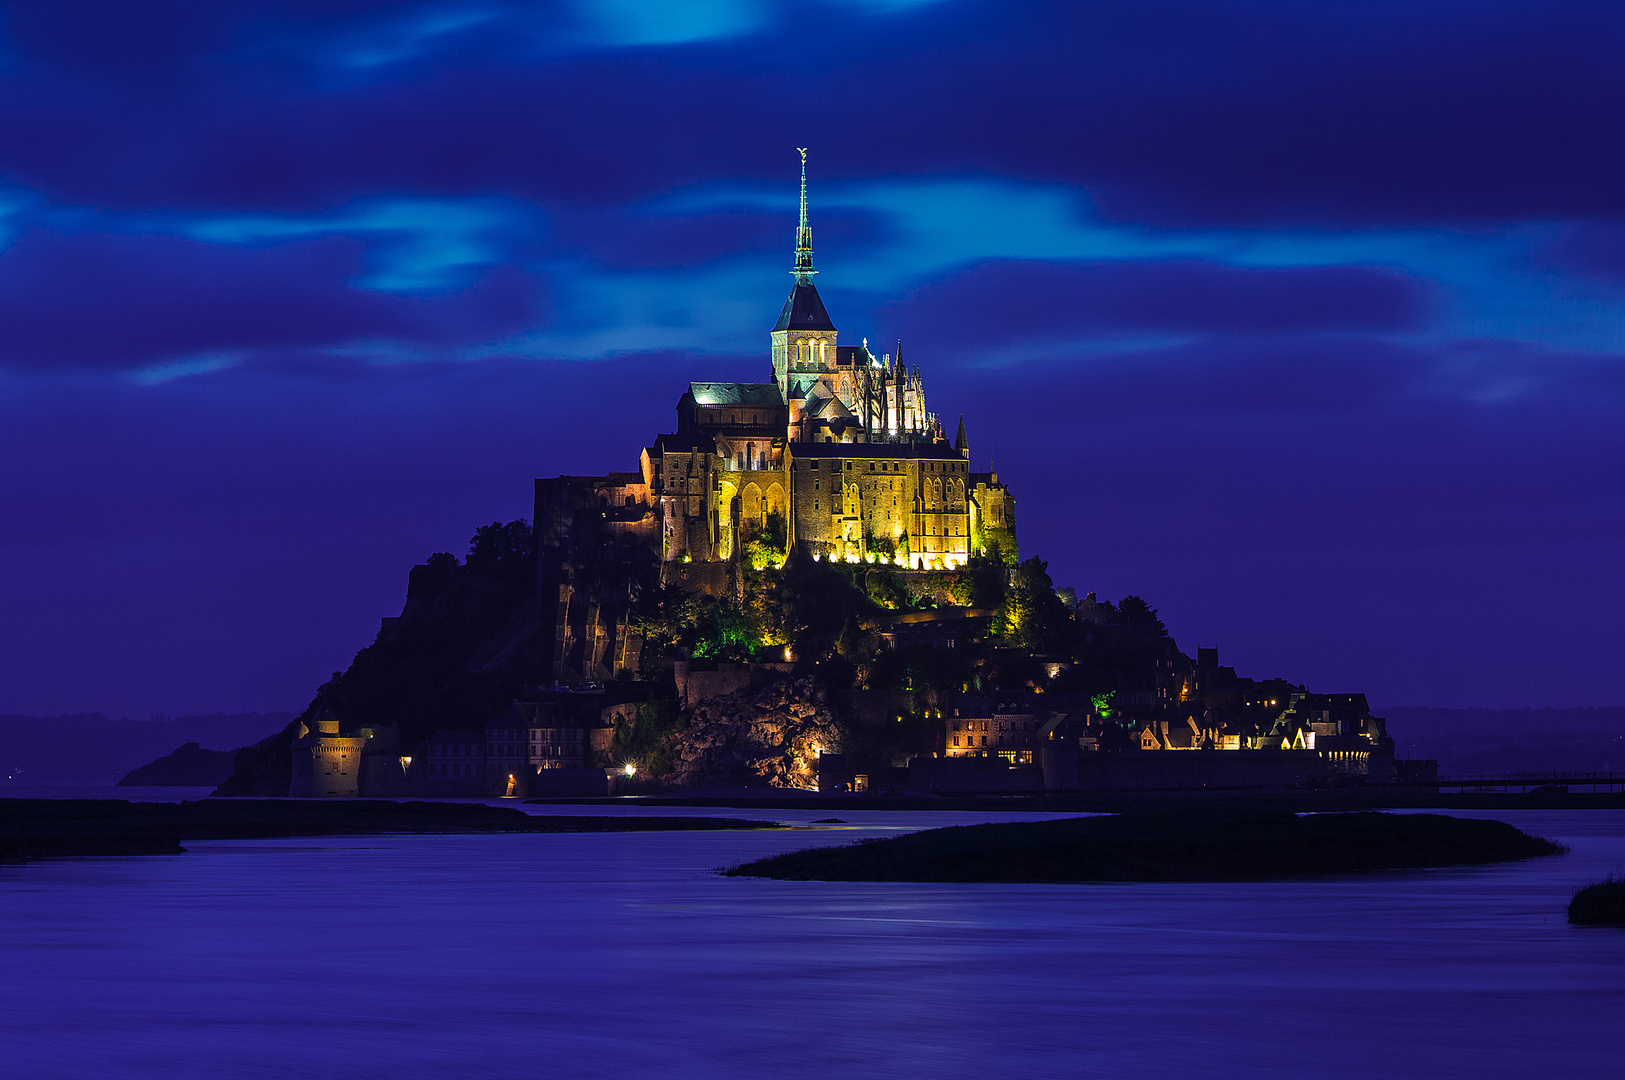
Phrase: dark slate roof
x=681 y=442
x=523 y=713
x=804 y=310
x=735 y=393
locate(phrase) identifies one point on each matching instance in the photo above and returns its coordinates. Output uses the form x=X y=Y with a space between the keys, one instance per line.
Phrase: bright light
x=406 y=762
x=630 y=770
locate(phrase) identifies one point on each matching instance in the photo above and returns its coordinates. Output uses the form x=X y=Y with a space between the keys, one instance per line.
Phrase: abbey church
x=837 y=457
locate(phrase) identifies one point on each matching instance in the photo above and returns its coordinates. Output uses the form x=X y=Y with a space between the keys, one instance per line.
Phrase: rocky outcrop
x=189 y=766
x=769 y=736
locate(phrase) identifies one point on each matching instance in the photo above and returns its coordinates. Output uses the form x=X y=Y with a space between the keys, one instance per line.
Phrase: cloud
x=414 y=244
x=123 y=302
x=657 y=22
x=1047 y=302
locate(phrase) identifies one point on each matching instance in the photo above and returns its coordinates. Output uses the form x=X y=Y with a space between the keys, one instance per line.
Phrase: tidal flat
x=588 y=955
x=1189 y=846
x=56 y=828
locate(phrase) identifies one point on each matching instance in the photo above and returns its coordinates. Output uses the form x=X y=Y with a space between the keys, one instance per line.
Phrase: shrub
x=1599 y=904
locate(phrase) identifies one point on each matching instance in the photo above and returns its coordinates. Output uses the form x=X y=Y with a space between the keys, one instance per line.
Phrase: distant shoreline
x=63 y=828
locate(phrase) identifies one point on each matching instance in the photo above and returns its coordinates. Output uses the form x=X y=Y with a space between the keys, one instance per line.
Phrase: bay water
x=626 y=954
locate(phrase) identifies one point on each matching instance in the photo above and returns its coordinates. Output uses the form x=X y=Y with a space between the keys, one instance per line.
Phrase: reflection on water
x=619 y=955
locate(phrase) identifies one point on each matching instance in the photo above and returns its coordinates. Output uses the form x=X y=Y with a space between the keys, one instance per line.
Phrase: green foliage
x=722 y=631
x=766 y=545
x=885 y=588
x=854 y=642
x=815 y=599
x=980 y=583
x=920 y=667
x=705 y=627
x=998 y=544
x=1034 y=617
x=644 y=737
x=1103 y=704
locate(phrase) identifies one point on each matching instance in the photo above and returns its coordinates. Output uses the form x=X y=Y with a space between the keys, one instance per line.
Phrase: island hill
x=807 y=584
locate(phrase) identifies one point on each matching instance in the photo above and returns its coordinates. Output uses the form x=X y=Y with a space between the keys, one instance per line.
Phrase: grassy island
x=1602 y=903
x=1163 y=847
x=57 y=828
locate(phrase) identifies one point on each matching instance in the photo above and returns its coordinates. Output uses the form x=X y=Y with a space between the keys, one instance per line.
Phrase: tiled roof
x=735 y=393
x=803 y=310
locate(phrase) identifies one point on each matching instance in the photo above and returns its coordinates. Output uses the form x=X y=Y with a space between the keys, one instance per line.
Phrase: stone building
x=505 y=757
x=1001 y=726
x=837 y=456
x=326 y=763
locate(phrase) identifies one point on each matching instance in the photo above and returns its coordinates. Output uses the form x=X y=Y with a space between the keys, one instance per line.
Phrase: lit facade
x=1002 y=726
x=836 y=456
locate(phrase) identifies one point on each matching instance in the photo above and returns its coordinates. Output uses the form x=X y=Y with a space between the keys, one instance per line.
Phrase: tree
x=980 y=583
x=1034 y=617
x=1000 y=544
x=1134 y=611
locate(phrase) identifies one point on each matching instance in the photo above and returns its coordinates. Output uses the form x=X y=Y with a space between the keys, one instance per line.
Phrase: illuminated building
x=325 y=762
x=835 y=457
x=1001 y=726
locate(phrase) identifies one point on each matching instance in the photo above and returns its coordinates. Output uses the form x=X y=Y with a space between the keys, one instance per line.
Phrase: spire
x=961 y=443
x=804 y=266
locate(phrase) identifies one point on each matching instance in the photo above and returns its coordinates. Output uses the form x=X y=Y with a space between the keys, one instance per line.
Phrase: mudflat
x=1188 y=846
x=54 y=828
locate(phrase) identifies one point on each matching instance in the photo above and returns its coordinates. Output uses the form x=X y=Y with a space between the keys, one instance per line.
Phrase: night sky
x=1305 y=321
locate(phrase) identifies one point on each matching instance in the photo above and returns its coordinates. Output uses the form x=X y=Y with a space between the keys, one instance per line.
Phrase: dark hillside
x=464 y=646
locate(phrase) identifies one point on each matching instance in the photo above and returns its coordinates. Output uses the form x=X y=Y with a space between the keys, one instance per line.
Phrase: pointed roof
x=961 y=443
x=804 y=310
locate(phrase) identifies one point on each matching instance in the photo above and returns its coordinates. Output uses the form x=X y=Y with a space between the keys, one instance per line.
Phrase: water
x=623 y=954
x=103 y=791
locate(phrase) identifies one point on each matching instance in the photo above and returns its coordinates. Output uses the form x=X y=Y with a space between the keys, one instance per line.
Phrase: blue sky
x=1304 y=321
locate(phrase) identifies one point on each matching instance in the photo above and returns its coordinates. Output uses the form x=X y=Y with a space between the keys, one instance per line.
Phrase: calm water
x=623 y=955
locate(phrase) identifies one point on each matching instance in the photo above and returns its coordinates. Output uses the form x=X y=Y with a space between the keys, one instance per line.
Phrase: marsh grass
x=1602 y=903
x=1189 y=846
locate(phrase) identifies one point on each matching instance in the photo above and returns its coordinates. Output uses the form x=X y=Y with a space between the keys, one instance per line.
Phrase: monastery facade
x=836 y=457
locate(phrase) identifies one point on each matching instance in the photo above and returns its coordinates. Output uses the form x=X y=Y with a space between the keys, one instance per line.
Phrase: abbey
x=836 y=457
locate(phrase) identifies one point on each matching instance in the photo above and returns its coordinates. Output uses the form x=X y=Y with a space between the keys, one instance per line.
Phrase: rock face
x=770 y=736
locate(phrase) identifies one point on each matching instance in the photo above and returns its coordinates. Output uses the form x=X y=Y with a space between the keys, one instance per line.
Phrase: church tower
x=804 y=337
